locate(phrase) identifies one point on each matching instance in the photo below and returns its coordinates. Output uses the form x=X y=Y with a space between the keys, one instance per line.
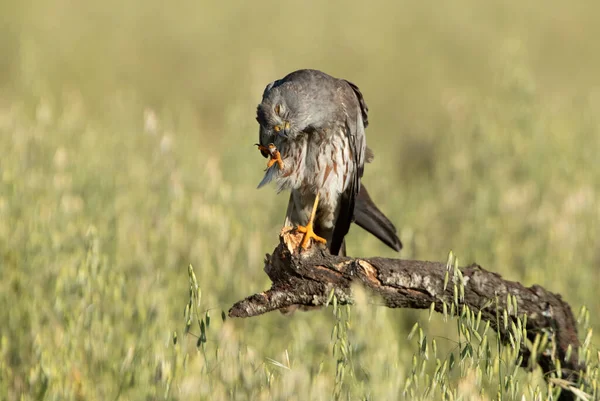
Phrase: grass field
x=126 y=133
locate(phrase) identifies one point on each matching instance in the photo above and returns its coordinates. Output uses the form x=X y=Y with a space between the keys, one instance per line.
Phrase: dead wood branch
x=307 y=278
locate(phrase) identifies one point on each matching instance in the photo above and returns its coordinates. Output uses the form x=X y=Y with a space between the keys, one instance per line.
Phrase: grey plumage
x=370 y=218
x=318 y=122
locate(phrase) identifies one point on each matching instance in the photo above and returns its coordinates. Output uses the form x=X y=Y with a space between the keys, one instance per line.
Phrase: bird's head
x=274 y=120
x=282 y=114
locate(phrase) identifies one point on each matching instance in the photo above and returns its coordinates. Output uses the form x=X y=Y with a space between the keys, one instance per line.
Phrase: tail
x=370 y=218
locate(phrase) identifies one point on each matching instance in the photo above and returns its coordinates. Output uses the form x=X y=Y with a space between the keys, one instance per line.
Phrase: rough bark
x=306 y=279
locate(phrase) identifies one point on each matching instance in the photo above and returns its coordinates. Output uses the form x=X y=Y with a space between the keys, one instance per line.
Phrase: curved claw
x=263 y=149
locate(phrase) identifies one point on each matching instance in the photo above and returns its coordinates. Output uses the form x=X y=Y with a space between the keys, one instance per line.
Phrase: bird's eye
x=277 y=128
x=278 y=109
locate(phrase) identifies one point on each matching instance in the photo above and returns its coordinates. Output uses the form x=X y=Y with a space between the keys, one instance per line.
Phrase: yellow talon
x=308 y=229
x=308 y=235
x=274 y=155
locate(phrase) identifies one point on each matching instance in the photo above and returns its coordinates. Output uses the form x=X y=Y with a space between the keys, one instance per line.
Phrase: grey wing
x=354 y=129
x=358 y=141
x=364 y=110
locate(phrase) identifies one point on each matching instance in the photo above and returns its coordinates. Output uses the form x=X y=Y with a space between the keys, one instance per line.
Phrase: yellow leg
x=308 y=229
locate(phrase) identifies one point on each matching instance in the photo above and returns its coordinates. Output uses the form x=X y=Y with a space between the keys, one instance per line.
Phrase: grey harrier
x=313 y=127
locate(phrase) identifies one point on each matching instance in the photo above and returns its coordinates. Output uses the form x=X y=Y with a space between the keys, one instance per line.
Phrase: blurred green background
x=127 y=132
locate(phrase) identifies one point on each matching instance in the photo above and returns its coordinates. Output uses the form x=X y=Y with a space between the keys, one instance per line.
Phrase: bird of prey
x=312 y=126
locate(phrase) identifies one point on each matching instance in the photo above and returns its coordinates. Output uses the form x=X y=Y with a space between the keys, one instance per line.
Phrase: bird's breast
x=293 y=154
x=318 y=162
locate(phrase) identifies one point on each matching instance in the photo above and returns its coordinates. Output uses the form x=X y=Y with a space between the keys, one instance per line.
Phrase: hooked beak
x=285 y=132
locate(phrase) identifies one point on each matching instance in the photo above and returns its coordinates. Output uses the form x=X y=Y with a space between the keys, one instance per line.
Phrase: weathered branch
x=307 y=278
